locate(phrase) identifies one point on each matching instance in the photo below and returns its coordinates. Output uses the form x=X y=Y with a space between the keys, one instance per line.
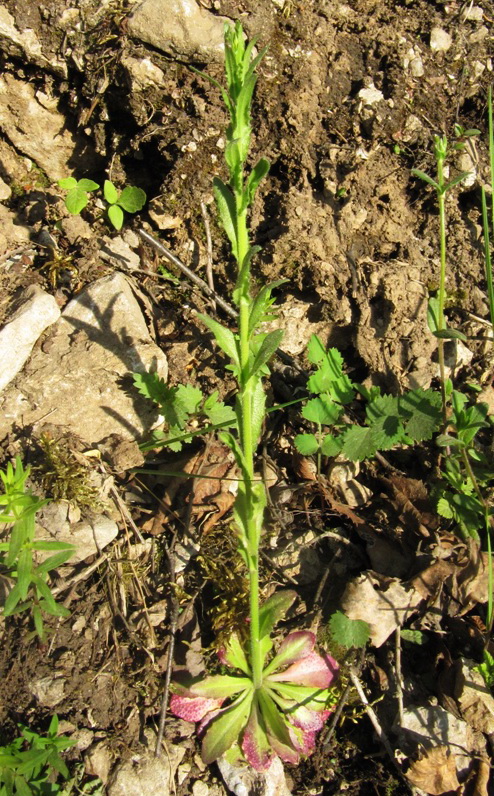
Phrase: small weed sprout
x=31 y=592
x=130 y=199
x=30 y=764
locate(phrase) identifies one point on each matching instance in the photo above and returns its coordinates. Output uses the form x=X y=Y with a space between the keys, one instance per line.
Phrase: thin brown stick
x=399 y=677
x=209 y=250
x=372 y=716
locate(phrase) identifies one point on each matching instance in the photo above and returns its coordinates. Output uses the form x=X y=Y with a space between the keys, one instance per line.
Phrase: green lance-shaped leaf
x=241 y=288
x=258 y=410
x=221 y=686
x=24 y=571
x=266 y=351
x=255 y=177
x=261 y=304
x=274 y=609
x=225 y=202
x=425 y=177
x=233 y=654
x=223 y=336
x=225 y=729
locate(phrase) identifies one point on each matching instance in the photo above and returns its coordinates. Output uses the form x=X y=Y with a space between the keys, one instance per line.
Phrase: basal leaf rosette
x=281 y=718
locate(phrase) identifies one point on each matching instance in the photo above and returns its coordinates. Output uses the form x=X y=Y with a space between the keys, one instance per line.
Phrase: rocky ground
x=349 y=98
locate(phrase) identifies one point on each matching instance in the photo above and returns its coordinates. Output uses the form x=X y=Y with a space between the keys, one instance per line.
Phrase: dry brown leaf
x=481 y=787
x=472 y=578
x=411 y=500
x=434 y=771
x=384 y=603
x=430 y=580
x=474 y=698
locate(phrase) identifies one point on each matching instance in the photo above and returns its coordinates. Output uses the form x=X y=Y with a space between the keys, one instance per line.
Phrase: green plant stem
x=441 y=195
x=245 y=400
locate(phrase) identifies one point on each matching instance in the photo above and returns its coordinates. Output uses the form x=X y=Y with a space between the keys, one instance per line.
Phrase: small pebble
x=440 y=40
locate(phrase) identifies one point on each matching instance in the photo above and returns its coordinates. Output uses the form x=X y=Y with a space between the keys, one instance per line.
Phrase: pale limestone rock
x=243 y=780
x=88 y=536
x=25 y=43
x=37 y=131
x=146 y=775
x=36 y=310
x=440 y=40
x=76 y=376
x=179 y=27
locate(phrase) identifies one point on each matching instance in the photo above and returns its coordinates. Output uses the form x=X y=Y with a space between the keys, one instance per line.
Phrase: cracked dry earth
x=348 y=100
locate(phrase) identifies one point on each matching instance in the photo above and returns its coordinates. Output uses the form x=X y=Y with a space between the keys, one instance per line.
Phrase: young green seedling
x=31 y=591
x=131 y=199
x=78 y=190
x=30 y=764
x=275 y=706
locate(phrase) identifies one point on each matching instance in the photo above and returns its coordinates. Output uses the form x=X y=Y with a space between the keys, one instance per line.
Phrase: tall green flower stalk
x=278 y=703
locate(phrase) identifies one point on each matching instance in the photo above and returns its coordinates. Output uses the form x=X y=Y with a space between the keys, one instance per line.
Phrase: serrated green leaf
x=261 y=304
x=331 y=446
x=132 y=199
x=116 y=216
x=76 y=200
x=349 y=632
x=413 y=636
x=384 y=421
x=189 y=397
x=316 y=351
x=306 y=444
x=358 y=443
x=110 y=192
x=421 y=412
x=322 y=410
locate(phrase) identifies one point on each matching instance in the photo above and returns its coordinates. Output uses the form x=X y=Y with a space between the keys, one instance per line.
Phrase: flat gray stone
x=36 y=310
x=81 y=377
x=179 y=27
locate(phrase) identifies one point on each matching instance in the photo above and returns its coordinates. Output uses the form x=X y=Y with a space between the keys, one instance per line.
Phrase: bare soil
x=356 y=237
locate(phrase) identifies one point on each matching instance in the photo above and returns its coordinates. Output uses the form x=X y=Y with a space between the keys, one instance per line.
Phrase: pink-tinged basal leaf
x=277 y=728
x=193 y=708
x=224 y=730
x=295 y=646
x=274 y=609
x=292 y=694
x=314 y=670
x=308 y=720
x=220 y=686
x=233 y=654
x=255 y=744
x=303 y=741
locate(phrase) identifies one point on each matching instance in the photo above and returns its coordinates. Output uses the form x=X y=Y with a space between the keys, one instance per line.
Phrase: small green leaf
x=331 y=446
x=459 y=178
x=433 y=314
x=116 y=216
x=255 y=177
x=425 y=177
x=110 y=192
x=306 y=444
x=413 y=636
x=349 y=632
x=76 y=200
x=450 y=334
x=67 y=183
x=132 y=199
x=88 y=185
x=421 y=412
x=189 y=397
